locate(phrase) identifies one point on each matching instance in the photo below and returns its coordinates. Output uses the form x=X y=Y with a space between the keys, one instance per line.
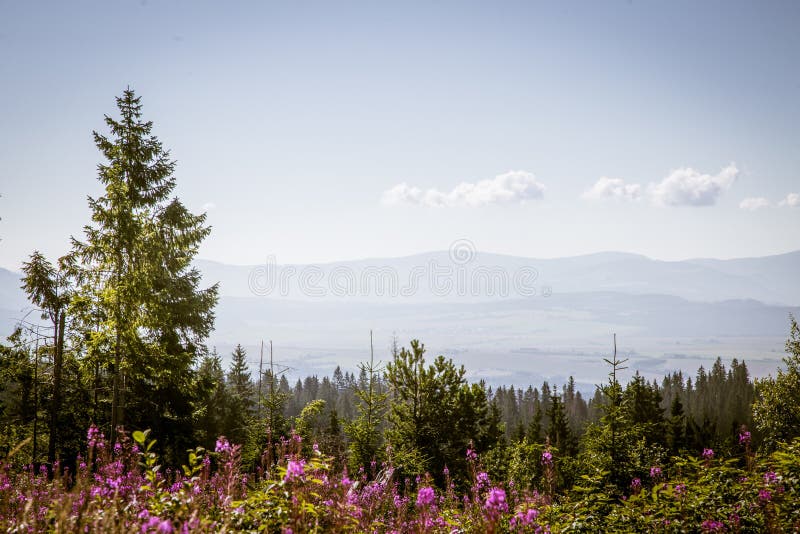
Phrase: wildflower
x=524 y=519
x=636 y=484
x=425 y=497
x=165 y=526
x=764 y=495
x=294 y=469
x=680 y=489
x=655 y=472
x=222 y=446
x=708 y=454
x=770 y=477
x=547 y=458
x=710 y=525
x=472 y=456
x=744 y=438
x=95 y=437
x=496 y=500
x=483 y=478
x=315 y=448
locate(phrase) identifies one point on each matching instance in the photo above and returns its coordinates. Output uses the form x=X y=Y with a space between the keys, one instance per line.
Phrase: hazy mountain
x=667 y=315
x=770 y=279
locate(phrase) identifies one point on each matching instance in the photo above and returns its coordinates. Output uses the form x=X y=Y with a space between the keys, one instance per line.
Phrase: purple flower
x=496 y=500
x=472 y=456
x=425 y=497
x=770 y=477
x=294 y=469
x=680 y=489
x=708 y=454
x=744 y=438
x=165 y=526
x=483 y=478
x=764 y=495
x=95 y=437
x=547 y=458
x=655 y=472
x=636 y=484
x=524 y=519
x=223 y=445
x=710 y=525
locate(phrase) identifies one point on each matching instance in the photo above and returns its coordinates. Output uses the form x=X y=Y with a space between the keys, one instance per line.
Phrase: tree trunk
x=55 y=408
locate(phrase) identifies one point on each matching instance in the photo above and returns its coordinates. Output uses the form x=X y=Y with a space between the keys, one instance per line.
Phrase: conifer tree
x=775 y=410
x=365 y=437
x=558 y=431
x=144 y=313
x=50 y=289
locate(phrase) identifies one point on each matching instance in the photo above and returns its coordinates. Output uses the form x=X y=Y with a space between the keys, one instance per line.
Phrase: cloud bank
x=681 y=187
x=688 y=187
x=792 y=200
x=513 y=187
x=754 y=203
x=613 y=188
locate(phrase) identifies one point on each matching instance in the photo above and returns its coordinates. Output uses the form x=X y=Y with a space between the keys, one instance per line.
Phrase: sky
x=325 y=131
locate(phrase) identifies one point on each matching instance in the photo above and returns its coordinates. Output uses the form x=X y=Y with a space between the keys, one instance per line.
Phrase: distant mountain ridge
x=768 y=279
x=668 y=315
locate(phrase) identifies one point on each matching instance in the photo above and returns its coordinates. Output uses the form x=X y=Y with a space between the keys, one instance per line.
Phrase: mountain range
x=507 y=318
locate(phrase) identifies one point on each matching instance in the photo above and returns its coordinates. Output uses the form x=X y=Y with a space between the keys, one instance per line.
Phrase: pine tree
x=51 y=290
x=240 y=381
x=535 y=428
x=364 y=434
x=212 y=405
x=558 y=430
x=775 y=410
x=435 y=414
x=143 y=312
x=676 y=428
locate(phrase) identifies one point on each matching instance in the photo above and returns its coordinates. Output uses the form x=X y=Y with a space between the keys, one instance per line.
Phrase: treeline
x=421 y=416
x=681 y=414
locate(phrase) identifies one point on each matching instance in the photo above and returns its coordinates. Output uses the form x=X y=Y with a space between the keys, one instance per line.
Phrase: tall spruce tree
x=146 y=316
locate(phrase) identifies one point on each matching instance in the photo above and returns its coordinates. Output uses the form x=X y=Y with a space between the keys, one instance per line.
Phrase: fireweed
x=122 y=487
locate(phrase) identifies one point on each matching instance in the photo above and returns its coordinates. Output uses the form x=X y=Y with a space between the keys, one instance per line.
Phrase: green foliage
x=142 y=312
x=364 y=432
x=435 y=414
x=775 y=409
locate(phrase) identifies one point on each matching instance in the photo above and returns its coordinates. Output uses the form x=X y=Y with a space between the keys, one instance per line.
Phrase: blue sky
x=342 y=130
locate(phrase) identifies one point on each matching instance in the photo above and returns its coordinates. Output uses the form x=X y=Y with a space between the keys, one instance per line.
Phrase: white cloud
x=511 y=187
x=754 y=203
x=613 y=188
x=209 y=206
x=792 y=200
x=688 y=187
